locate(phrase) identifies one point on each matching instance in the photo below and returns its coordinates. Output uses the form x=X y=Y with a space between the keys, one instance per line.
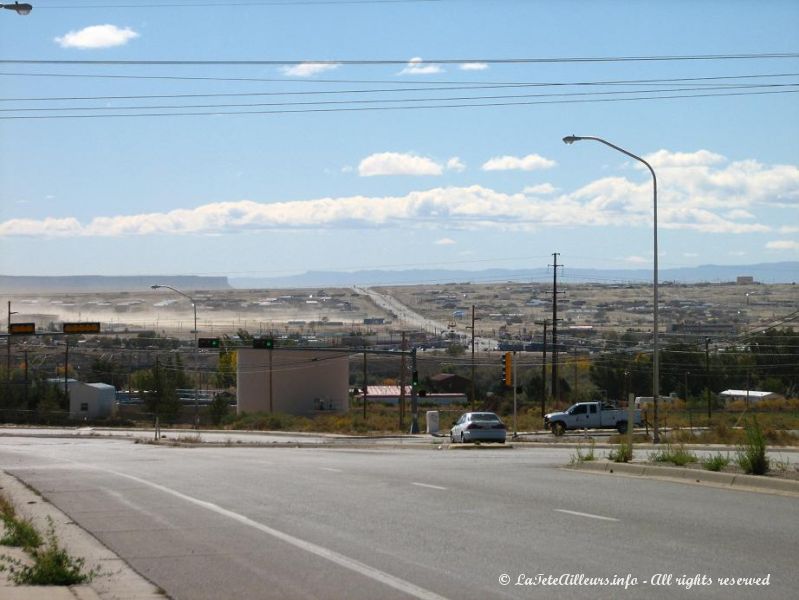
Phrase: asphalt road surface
x=232 y=522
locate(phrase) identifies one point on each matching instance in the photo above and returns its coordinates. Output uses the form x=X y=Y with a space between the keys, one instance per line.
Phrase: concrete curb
x=116 y=579
x=696 y=476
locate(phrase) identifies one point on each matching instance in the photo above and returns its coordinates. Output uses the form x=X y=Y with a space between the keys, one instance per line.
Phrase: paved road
x=387 y=523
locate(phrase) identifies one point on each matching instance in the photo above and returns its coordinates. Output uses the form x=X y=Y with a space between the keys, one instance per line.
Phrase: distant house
x=390 y=394
x=748 y=396
x=89 y=400
x=450 y=383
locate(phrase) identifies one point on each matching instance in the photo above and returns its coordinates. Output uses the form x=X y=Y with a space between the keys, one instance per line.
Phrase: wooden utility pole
x=545 y=322
x=474 y=395
x=555 y=383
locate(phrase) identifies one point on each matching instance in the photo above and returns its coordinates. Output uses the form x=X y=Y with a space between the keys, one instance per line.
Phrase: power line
x=393 y=108
x=376 y=100
x=436 y=61
x=426 y=82
x=696 y=87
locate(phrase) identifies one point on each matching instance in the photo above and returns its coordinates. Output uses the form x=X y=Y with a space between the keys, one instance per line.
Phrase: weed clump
x=623 y=454
x=716 y=462
x=678 y=456
x=752 y=454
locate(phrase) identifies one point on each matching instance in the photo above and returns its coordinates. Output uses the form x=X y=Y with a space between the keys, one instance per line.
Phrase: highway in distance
x=330 y=523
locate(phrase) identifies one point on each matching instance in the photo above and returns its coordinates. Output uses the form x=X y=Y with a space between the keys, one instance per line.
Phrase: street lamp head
x=20 y=9
x=570 y=139
x=156 y=286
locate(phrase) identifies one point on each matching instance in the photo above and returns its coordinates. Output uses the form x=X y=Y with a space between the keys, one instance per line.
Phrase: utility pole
x=26 y=380
x=707 y=376
x=474 y=394
x=555 y=384
x=402 y=385
x=66 y=366
x=414 y=406
x=545 y=322
x=365 y=385
x=515 y=362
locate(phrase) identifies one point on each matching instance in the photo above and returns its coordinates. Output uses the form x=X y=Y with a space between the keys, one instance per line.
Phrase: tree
x=225 y=376
x=220 y=407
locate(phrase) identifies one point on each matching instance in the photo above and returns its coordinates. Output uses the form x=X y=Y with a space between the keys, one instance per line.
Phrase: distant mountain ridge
x=780 y=272
x=99 y=283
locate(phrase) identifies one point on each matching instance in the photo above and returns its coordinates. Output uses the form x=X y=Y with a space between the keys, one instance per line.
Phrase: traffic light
x=507 y=369
x=415 y=379
x=263 y=343
x=208 y=343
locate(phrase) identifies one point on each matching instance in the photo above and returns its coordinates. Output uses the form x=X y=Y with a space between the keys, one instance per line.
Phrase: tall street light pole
x=570 y=139
x=196 y=350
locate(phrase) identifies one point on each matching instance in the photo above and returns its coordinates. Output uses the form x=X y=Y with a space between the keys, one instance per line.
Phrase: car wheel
x=558 y=428
x=463 y=441
x=621 y=427
x=501 y=441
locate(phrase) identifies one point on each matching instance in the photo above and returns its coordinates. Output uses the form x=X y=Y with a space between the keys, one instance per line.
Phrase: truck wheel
x=621 y=426
x=558 y=428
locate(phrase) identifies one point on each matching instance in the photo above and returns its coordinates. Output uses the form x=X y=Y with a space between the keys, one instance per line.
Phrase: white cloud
x=308 y=69
x=473 y=66
x=97 y=36
x=530 y=162
x=416 y=66
x=394 y=163
x=637 y=260
x=455 y=164
x=722 y=199
x=783 y=245
x=541 y=189
x=444 y=242
x=663 y=159
x=739 y=213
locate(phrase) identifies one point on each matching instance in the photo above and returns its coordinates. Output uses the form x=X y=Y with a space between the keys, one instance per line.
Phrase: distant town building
x=748 y=396
x=295 y=382
x=88 y=400
x=745 y=280
x=390 y=394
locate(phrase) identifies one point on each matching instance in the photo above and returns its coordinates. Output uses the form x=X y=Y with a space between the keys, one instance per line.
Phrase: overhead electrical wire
x=477 y=84
x=698 y=86
x=432 y=61
x=386 y=100
x=394 y=108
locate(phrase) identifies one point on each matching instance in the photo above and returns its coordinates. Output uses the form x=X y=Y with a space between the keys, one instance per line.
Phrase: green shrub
x=716 y=462
x=624 y=453
x=20 y=533
x=580 y=457
x=52 y=565
x=678 y=456
x=752 y=454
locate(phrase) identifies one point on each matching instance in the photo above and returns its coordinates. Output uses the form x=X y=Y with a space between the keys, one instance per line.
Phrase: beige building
x=297 y=382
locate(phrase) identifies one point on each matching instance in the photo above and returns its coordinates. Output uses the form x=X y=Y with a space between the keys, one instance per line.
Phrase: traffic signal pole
x=414 y=405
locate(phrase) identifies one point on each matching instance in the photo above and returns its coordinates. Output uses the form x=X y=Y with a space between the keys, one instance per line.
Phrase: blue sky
x=272 y=193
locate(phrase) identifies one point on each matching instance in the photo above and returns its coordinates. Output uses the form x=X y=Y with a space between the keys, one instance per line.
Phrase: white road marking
x=332 y=470
x=344 y=561
x=582 y=514
x=427 y=485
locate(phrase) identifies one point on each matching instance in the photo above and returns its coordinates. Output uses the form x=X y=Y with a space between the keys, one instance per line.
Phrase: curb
x=695 y=476
x=116 y=579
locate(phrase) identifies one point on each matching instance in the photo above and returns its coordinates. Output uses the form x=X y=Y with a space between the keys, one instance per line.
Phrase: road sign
x=81 y=327
x=22 y=329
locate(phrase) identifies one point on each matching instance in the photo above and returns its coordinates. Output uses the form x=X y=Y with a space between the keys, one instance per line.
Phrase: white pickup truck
x=590 y=415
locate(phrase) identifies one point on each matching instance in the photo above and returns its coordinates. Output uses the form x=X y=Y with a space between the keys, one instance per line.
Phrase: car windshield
x=485 y=417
